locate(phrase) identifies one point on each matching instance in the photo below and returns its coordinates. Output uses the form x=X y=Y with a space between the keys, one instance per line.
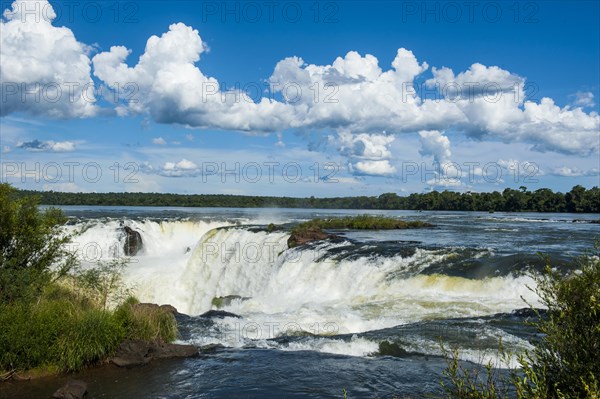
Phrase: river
x=312 y=318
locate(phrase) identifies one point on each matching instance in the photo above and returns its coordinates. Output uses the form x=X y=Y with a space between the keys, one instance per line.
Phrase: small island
x=314 y=230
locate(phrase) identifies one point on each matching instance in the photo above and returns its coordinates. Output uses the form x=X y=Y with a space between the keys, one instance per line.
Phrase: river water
x=312 y=319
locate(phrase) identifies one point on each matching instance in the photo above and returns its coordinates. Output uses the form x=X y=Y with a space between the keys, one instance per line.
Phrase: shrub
x=564 y=362
x=53 y=319
x=32 y=250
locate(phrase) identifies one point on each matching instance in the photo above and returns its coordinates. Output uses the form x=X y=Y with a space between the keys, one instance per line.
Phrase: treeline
x=579 y=199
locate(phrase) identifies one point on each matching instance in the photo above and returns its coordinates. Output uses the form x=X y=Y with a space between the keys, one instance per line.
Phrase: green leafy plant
x=564 y=362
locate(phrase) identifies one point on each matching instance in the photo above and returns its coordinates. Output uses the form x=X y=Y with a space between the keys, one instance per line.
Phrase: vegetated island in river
x=313 y=230
x=579 y=199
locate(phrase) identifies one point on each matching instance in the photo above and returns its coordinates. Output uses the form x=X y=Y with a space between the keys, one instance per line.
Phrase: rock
x=133 y=242
x=222 y=301
x=210 y=348
x=528 y=312
x=168 y=351
x=132 y=353
x=391 y=349
x=307 y=235
x=169 y=308
x=220 y=314
x=152 y=307
x=135 y=352
x=73 y=389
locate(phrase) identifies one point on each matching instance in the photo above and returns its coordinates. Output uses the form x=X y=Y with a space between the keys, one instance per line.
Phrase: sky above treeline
x=299 y=98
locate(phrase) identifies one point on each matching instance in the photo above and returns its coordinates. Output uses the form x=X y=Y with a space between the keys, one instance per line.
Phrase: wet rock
x=219 y=314
x=210 y=348
x=222 y=301
x=307 y=235
x=135 y=352
x=133 y=242
x=528 y=312
x=391 y=349
x=73 y=389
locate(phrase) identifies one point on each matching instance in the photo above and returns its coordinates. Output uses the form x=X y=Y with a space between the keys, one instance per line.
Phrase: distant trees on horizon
x=579 y=199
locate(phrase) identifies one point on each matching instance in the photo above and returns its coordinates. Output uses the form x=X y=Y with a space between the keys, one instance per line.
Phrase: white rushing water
x=188 y=263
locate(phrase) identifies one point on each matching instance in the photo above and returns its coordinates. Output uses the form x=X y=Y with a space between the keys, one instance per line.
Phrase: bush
x=564 y=362
x=56 y=320
x=32 y=250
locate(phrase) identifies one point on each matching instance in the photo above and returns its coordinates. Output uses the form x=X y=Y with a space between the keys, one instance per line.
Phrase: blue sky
x=299 y=98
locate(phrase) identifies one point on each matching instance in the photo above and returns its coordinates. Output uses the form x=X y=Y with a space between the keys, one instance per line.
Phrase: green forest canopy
x=579 y=199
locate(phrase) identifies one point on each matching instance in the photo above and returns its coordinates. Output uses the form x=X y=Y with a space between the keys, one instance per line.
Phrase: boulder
x=154 y=307
x=136 y=352
x=73 y=389
x=307 y=235
x=133 y=242
x=219 y=314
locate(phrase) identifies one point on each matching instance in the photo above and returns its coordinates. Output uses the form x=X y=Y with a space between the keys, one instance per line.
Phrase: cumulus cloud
x=47 y=146
x=159 y=141
x=173 y=90
x=45 y=70
x=434 y=143
x=353 y=93
x=583 y=99
x=183 y=168
x=368 y=154
x=566 y=171
x=373 y=168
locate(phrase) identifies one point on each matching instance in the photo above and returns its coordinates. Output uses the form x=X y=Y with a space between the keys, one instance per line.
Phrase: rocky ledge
x=135 y=353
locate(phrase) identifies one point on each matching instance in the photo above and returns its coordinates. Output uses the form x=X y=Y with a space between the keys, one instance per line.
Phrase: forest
x=577 y=200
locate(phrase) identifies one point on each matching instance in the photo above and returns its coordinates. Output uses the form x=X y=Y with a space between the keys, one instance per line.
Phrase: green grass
x=64 y=331
x=362 y=222
x=313 y=230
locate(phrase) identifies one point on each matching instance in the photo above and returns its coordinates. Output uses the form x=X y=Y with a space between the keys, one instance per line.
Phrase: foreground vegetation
x=578 y=199
x=55 y=317
x=564 y=362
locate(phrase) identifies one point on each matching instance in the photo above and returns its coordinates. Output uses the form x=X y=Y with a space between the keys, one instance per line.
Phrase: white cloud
x=47 y=146
x=583 y=99
x=374 y=168
x=173 y=90
x=159 y=141
x=368 y=154
x=566 y=171
x=352 y=94
x=47 y=61
x=183 y=168
x=436 y=144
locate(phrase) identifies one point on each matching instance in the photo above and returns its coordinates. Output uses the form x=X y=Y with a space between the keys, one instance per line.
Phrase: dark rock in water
x=308 y=235
x=135 y=352
x=391 y=349
x=222 y=301
x=220 y=314
x=133 y=242
x=73 y=389
x=528 y=312
x=210 y=348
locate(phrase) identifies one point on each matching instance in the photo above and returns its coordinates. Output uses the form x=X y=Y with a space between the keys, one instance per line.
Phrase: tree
x=32 y=249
